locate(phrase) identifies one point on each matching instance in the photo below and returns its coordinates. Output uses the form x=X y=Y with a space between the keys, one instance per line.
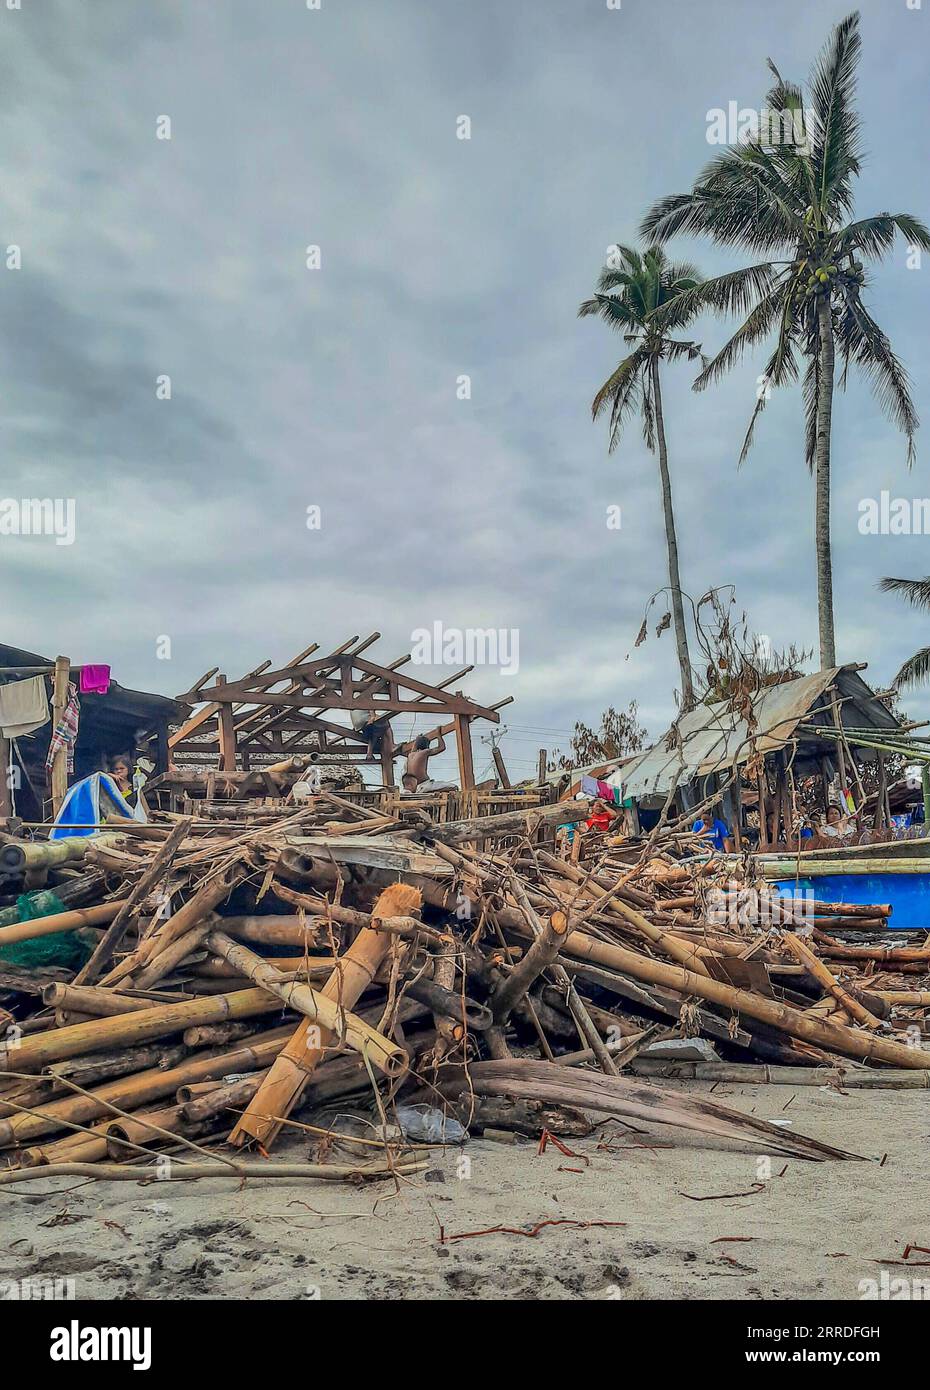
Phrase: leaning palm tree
x=917 y=592
x=791 y=200
x=629 y=292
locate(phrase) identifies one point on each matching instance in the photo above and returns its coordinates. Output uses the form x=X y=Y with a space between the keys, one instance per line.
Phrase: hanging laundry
x=23 y=707
x=66 y=730
x=95 y=680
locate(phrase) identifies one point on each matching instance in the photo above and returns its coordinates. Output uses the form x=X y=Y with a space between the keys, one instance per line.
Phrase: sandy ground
x=815 y=1229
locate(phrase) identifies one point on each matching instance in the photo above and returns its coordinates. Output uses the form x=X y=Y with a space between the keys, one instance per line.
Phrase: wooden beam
x=6 y=759
x=463 y=747
x=227 y=733
x=59 y=775
x=198 y=720
x=498 y=757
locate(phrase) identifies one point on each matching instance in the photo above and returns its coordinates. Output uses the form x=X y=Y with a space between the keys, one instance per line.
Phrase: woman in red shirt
x=601 y=817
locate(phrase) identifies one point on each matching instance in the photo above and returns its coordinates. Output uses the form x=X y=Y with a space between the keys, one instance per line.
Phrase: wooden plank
x=463 y=747
x=381 y=854
x=59 y=775
x=227 y=734
x=6 y=797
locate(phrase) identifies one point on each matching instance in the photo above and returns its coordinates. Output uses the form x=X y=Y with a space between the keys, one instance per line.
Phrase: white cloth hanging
x=23 y=707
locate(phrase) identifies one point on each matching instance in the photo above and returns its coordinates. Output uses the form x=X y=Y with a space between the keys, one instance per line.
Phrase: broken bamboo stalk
x=285 y=1082
x=315 y=1005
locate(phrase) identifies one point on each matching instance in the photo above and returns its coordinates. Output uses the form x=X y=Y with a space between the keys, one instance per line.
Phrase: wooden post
x=59 y=775
x=761 y=782
x=841 y=755
x=498 y=757
x=543 y=764
x=735 y=797
x=6 y=758
x=463 y=746
x=227 y=732
x=161 y=750
x=880 y=822
x=387 y=761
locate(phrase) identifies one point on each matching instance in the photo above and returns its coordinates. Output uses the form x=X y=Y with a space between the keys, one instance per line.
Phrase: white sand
x=816 y=1229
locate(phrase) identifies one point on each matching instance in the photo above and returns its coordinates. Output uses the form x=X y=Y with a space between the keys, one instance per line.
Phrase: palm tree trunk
x=671 y=541
x=822 y=480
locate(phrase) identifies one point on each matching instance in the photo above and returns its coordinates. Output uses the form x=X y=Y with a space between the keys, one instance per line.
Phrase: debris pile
x=188 y=986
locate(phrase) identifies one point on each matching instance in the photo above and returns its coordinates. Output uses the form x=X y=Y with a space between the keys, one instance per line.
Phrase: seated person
x=601 y=817
x=835 y=825
x=717 y=833
x=121 y=771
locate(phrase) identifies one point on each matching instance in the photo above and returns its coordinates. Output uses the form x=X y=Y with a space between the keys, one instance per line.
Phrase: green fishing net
x=65 y=949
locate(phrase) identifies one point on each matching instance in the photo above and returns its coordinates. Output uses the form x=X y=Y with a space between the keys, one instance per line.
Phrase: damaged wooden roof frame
x=286 y=711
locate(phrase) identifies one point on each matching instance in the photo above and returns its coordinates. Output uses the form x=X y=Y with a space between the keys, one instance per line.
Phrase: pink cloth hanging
x=95 y=680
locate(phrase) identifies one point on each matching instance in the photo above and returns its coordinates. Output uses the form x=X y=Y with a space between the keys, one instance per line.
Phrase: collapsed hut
x=111 y=722
x=753 y=754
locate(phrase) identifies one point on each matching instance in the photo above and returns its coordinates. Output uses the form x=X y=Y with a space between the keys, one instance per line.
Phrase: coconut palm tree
x=629 y=291
x=917 y=592
x=791 y=200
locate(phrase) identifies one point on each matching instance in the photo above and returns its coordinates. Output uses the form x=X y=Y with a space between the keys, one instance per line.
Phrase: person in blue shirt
x=717 y=832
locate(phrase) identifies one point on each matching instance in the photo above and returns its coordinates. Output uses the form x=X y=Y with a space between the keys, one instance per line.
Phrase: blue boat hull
x=908 y=894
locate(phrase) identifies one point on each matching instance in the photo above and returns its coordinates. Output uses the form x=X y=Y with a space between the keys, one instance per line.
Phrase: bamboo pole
x=833 y=987
x=386 y=1055
x=208 y=896
x=85 y=999
x=17 y=856
x=165 y=961
x=784 y=1018
x=538 y=958
x=59 y=773
x=285 y=1083
x=755 y=1074
x=131 y=1092
x=59 y=922
x=239 y=1170
x=32 y=1053
x=141 y=889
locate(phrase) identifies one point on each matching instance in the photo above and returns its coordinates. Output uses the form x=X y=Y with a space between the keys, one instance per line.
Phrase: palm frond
x=870 y=348
x=757 y=326
x=733 y=293
x=622 y=392
x=916 y=591
x=613 y=310
x=747 y=196
x=810 y=390
x=677 y=351
x=915 y=670
x=874 y=236
x=836 y=156
x=780 y=369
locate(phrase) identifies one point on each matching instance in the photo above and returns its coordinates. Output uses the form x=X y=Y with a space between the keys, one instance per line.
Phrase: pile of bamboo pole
x=246 y=968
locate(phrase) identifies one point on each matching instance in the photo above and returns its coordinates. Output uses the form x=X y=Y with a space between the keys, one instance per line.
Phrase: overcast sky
x=440 y=257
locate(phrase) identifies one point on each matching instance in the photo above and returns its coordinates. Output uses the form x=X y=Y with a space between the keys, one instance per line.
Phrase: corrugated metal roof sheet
x=713 y=737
